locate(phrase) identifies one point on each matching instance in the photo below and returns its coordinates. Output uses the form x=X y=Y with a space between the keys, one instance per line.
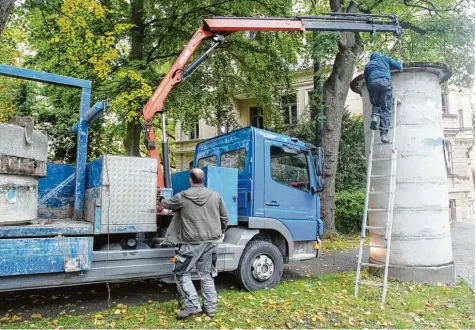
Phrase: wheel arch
x=275 y=230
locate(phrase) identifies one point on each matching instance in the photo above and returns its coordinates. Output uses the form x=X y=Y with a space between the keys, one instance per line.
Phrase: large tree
x=6 y=7
x=436 y=30
x=126 y=47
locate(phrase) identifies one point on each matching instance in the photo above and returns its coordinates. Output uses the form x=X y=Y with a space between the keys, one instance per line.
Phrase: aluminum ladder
x=388 y=210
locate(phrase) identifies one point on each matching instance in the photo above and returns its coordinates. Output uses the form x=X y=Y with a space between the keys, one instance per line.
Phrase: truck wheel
x=261 y=266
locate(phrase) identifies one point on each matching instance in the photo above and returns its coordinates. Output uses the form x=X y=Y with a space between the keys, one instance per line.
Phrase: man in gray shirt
x=201 y=220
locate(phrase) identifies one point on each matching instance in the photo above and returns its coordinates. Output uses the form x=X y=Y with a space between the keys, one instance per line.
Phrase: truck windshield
x=290 y=169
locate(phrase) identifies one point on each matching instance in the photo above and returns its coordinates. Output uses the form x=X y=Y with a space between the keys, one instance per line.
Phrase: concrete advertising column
x=421 y=238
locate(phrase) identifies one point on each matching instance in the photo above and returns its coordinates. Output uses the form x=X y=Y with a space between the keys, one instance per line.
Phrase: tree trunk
x=334 y=93
x=317 y=111
x=6 y=7
x=132 y=140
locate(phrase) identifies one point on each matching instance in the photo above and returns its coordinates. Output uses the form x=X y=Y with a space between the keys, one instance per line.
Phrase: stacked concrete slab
x=421 y=239
x=23 y=156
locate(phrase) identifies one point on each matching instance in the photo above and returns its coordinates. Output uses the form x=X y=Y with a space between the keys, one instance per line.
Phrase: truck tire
x=261 y=266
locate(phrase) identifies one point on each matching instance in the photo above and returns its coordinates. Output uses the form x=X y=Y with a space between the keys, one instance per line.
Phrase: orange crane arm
x=217 y=28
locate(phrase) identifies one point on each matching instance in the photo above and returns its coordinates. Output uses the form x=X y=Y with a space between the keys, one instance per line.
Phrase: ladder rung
x=374 y=227
x=366 y=264
x=378 y=192
x=371 y=283
x=376 y=210
x=380 y=159
x=376 y=246
x=380 y=175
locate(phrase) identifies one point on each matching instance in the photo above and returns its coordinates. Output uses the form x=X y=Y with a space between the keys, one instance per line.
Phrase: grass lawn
x=338 y=242
x=316 y=302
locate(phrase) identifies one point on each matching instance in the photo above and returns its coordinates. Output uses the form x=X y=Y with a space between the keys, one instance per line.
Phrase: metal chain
x=398 y=45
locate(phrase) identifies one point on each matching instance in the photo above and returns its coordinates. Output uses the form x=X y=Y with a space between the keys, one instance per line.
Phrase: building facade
x=458 y=121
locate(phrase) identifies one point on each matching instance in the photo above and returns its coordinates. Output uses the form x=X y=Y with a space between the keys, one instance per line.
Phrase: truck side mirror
x=319 y=165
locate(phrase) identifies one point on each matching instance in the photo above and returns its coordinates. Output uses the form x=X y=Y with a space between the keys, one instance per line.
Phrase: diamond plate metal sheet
x=128 y=193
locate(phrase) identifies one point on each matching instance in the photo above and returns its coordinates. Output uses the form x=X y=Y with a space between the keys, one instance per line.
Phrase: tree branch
x=158 y=57
x=414 y=28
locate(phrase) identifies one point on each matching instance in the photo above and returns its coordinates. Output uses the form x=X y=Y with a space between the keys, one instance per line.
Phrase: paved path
x=90 y=298
x=462 y=236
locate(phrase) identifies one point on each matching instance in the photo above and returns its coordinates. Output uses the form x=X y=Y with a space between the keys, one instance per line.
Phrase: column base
x=438 y=274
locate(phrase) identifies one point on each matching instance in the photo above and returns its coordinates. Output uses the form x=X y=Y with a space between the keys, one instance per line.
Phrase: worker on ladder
x=379 y=84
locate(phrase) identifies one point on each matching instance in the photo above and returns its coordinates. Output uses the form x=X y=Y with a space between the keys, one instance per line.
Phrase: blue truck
x=100 y=221
x=97 y=221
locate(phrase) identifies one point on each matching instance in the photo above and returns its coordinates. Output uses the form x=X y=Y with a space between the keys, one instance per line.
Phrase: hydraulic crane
x=217 y=29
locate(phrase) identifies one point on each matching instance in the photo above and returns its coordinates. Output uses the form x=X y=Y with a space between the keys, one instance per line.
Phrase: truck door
x=288 y=195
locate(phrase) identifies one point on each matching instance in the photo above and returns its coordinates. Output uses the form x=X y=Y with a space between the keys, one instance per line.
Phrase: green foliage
x=126 y=48
x=349 y=208
x=351 y=167
x=435 y=31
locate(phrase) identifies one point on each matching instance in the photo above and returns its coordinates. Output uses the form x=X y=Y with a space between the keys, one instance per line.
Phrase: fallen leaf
x=16 y=318
x=112 y=324
x=97 y=322
x=198 y=319
x=313 y=319
x=55 y=321
x=117 y=312
x=232 y=320
x=121 y=306
x=212 y=324
x=54 y=297
x=150 y=301
x=5 y=318
x=36 y=316
x=368 y=313
x=207 y=318
x=271 y=302
x=248 y=321
x=98 y=316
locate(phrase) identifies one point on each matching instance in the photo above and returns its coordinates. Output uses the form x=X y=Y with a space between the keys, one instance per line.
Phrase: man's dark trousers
x=203 y=256
x=380 y=94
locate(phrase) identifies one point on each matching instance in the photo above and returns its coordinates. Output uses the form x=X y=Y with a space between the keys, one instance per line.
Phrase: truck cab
x=278 y=181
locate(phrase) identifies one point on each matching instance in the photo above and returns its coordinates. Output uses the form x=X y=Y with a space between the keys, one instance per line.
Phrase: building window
x=289 y=169
x=461 y=121
x=256 y=115
x=444 y=103
x=195 y=133
x=289 y=109
x=207 y=161
x=448 y=153
x=452 y=209
x=233 y=159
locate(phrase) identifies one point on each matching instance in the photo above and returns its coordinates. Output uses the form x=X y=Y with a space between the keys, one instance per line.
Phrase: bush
x=349 y=209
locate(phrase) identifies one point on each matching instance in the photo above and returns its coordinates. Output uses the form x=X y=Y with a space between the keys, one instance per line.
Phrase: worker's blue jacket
x=379 y=67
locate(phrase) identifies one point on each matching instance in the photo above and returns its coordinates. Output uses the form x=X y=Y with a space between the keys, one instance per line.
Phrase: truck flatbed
x=41 y=227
